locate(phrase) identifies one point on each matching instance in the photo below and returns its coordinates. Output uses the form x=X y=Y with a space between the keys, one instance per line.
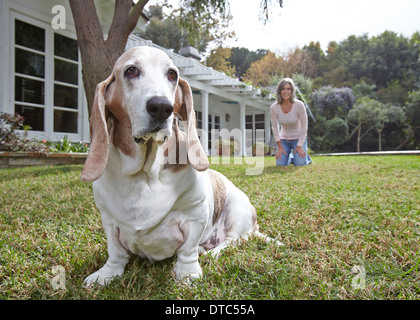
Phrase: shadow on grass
x=18 y=173
x=280 y=170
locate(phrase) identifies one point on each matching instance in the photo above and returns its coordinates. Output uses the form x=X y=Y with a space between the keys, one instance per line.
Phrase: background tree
x=298 y=61
x=242 y=58
x=316 y=54
x=211 y=18
x=336 y=132
x=260 y=72
x=165 y=30
x=333 y=102
x=362 y=89
x=378 y=60
x=412 y=121
x=218 y=60
x=168 y=29
x=363 y=117
x=386 y=115
x=303 y=83
x=268 y=70
x=393 y=93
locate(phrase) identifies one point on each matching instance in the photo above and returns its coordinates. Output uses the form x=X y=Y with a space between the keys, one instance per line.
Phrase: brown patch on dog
x=175 y=146
x=121 y=243
x=255 y=226
x=122 y=136
x=219 y=194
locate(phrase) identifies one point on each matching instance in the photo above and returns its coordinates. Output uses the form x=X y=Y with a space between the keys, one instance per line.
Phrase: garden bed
x=24 y=159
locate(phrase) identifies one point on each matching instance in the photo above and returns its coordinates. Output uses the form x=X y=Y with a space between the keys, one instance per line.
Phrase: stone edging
x=24 y=159
x=371 y=153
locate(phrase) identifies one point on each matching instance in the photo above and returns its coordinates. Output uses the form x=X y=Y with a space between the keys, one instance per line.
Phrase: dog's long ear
x=99 y=146
x=185 y=109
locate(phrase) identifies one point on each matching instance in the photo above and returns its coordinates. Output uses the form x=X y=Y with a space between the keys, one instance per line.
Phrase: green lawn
x=332 y=216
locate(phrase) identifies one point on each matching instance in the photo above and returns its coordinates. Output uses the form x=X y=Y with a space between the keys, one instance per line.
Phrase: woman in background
x=290 y=114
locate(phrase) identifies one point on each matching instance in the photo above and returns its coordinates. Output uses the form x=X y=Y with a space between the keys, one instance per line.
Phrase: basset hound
x=151 y=180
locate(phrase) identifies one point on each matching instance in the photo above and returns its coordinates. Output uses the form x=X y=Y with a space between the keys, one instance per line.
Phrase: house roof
x=204 y=78
x=190 y=52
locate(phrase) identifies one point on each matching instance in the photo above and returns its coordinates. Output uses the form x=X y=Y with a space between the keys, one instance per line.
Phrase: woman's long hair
x=281 y=85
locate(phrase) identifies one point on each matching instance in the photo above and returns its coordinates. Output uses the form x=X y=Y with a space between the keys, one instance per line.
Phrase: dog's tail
x=267 y=239
x=256 y=233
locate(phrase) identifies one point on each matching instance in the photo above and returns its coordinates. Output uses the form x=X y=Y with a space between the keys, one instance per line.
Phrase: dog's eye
x=172 y=75
x=131 y=72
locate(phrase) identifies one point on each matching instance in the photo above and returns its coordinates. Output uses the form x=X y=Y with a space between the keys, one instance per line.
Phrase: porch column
x=267 y=127
x=205 y=121
x=242 y=114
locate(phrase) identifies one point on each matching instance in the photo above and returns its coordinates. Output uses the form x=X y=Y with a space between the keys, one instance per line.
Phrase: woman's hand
x=300 y=151
x=279 y=152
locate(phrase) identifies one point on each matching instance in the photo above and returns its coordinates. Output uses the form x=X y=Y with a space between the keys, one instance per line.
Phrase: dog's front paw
x=99 y=278
x=103 y=277
x=188 y=271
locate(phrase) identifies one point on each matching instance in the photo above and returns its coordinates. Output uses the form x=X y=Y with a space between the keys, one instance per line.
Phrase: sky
x=301 y=21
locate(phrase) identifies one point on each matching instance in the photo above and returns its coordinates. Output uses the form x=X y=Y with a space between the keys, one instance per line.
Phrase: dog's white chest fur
x=148 y=212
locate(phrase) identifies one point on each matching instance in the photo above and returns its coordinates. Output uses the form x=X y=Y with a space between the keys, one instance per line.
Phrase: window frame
x=49 y=79
x=251 y=123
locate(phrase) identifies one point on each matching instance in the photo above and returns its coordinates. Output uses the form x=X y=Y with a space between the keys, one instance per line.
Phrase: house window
x=259 y=121
x=46 y=77
x=30 y=74
x=216 y=128
x=199 y=119
x=255 y=126
x=210 y=126
x=65 y=84
x=217 y=123
x=213 y=124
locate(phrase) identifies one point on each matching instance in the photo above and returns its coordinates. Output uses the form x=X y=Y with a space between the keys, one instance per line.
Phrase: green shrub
x=11 y=140
x=65 y=145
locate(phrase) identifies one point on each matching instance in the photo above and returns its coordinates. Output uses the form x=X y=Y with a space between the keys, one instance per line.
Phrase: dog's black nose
x=160 y=108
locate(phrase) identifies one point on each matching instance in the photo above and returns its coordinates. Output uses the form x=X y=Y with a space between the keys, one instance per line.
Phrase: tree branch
x=411 y=131
x=125 y=20
x=88 y=28
x=95 y=59
x=366 y=132
x=354 y=131
x=135 y=14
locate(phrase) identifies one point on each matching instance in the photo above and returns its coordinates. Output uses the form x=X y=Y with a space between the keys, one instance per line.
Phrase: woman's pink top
x=294 y=125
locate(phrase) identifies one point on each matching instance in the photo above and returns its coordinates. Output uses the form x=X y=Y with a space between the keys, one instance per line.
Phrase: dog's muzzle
x=160 y=137
x=138 y=140
x=159 y=109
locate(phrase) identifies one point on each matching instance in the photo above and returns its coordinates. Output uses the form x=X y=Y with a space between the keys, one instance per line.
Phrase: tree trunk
x=96 y=62
x=380 y=140
x=98 y=55
x=411 y=131
x=359 y=131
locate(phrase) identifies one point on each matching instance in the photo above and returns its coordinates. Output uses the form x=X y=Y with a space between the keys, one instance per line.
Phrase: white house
x=41 y=78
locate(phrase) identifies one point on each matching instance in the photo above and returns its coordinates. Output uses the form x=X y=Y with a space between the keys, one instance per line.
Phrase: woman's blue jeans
x=289 y=146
